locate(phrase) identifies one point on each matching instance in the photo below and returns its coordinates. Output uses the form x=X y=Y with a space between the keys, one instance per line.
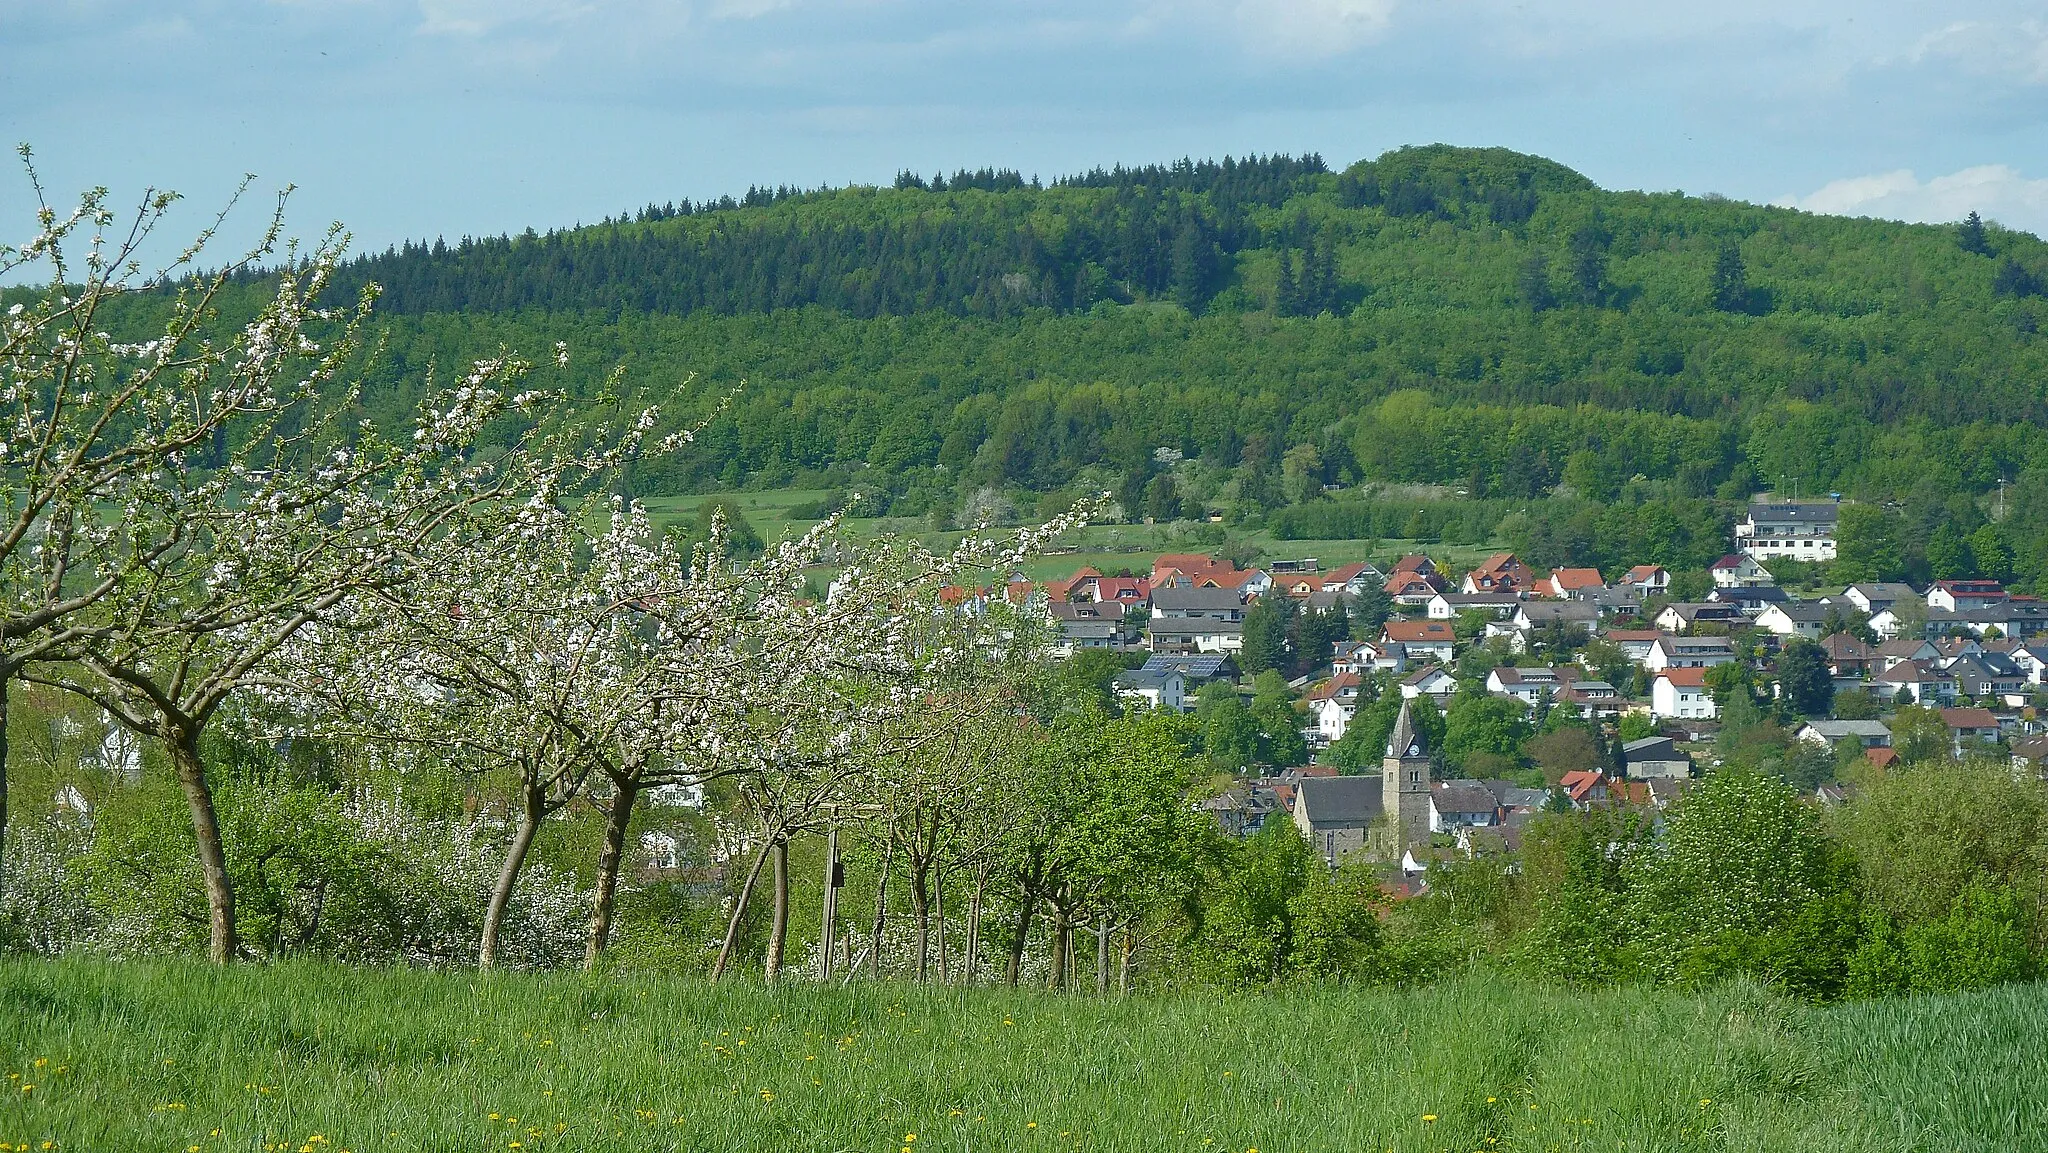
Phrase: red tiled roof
x=1969 y=718
x=1576 y=578
x=1685 y=678
x=1413 y=632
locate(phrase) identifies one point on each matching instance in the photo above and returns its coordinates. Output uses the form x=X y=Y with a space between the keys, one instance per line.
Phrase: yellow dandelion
x=1031 y=1124
x=1429 y=1116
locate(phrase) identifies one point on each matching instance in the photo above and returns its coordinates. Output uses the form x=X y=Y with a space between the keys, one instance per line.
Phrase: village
x=1649 y=679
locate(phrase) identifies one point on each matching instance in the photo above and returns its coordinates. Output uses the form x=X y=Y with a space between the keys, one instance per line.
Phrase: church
x=1388 y=816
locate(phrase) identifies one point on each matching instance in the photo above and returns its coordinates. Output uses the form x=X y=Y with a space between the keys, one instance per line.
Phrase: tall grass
x=175 y=1056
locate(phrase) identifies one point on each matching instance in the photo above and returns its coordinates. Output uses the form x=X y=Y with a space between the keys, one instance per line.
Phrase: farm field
x=177 y=1056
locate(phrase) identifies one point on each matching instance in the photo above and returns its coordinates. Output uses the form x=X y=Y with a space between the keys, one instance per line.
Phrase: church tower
x=1404 y=785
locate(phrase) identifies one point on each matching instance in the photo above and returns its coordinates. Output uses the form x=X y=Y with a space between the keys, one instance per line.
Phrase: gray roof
x=1463 y=797
x=1643 y=748
x=1803 y=512
x=1805 y=612
x=1883 y=592
x=1171 y=599
x=1339 y=802
x=1839 y=730
x=1405 y=737
x=1569 y=612
x=1748 y=594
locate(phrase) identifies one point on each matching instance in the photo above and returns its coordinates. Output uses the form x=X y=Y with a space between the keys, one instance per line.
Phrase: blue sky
x=444 y=117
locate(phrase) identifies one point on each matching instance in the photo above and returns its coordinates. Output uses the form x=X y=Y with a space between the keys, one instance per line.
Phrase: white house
x=1960 y=596
x=1669 y=652
x=1875 y=597
x=1739 y=570
x=1682 y=693
x=1794 y=619
x=1367 y=656
x=1795 y=530
x=1432 y=682
x=1161 y=689
x=1334 y=702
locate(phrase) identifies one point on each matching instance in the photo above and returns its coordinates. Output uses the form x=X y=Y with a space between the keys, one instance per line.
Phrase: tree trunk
x=222 y=944
x=1057 y=978
x=778 y=928
x=1130 y=949
x=921 y=913
x=939 y=915
x=533 y=804
x=1101 y=958
x=4 y=679
x=881 y=909
x=739 y=909
x=972 y=961
x=618 y=815
x=1025 y=912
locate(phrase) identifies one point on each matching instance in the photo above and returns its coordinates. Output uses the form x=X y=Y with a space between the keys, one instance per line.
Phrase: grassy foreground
x=174 y=1056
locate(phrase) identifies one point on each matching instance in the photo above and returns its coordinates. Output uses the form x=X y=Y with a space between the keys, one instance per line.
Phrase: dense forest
x=1280 y=342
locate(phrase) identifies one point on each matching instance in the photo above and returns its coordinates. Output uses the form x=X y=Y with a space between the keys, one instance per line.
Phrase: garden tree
x=1481 y=723
x=1265 y=634
x=1569 y=749
x=1867 y=545
x=1162 y=499
x=1571 y=901
x=1087 y=679
x=110 y=443
x=1731 y=682
x=738 y=540
x=1281 y=743
x=1315 y=632
x=1272 y=909
x=1922 y=837
x=1230 y=733
x=295 y=514
x=1369 y=611
x=1739 y=865
x=1856 y=705
x=1364 y=743
x=1634 y=727
x=1920 y=735
x=1803 y=678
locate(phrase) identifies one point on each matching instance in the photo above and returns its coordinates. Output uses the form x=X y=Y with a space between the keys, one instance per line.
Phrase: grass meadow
x=174 y=1056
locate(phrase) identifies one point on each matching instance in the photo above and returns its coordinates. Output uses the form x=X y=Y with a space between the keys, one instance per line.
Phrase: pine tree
x=1534 y=287
x=1970 y=236
x=1731 y=281
x=1286 y=291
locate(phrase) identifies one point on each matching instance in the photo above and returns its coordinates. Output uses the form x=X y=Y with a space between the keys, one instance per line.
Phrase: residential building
x=1455 y=805
x=1501 y=572
x=1414 y=580
x=1749 y=600
x=1669 y=652
x=1796 y=530
x=1539 y=614
x=1449 y=606
x=1684 y=616
x=1566 y=583
x=1875 y=597
x=1866 y=734
x=1649 y=578
x=1655 y=758
x=1089 y=625
x=1354 y=579
x=1367 y=657
x=1848 y=656
x=1635 y=643
x=1422 y=638
x=1682 y=693
x=1739 y=570
x=1913 y=682
x=1159 y=689
x=1332 y=704
x=1970 y=725
x=1432 y=682
x=1801 y=619
x=1962 y=596
x=1585 y=789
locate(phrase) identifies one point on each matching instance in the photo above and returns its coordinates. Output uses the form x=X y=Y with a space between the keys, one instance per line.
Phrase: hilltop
x=1273 y=334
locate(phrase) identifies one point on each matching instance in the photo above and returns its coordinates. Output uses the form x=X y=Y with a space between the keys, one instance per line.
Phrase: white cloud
x=481 y=17
x=1316 y=27
x=1984 y=49
x=1995 y=191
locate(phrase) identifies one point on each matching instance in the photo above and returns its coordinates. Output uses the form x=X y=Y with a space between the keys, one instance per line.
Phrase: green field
x=107 y=1056
x=1107 y=547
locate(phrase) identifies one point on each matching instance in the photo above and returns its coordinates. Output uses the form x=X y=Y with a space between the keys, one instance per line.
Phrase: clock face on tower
x=1414 y=750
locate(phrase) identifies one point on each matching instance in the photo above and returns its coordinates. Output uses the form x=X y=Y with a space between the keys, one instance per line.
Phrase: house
x=1970 y=724
x=1421 y=638
x=1649 y=579
x=1749 y=600
x=1333 y=703
x=1186 y=602
x=1847 y=655
x=1961 y=596
x=1540 y=614
x=1367 y=657
x=1873 y=598
x=1354 y=579
x=1183 y=635
x=1178 y=570
x=1739 y=570
x=1867 y=734
x=1794 y=619
x=1619 y=601
x=1501 y=572
x=1684 y=616
x=1566 y=583
x=1242 y=812
x=1585 y=789
x=1159 y=689
x=1986 y=675
x=1336 y=813
x=1131 y=592
x=1455 y=805
x=1655 y=757
x=1414 y=580
x=1671 y=652
x=1527 y=685
x=1899 y=650
x=1795 y=530
x=1449 y=606
x=1198 y=669
x=1298 y=586
x=1089 y=625
x=1682 y=693
x=2031 y=657
x=1432 y=682
x=1595 y=700
x=2031 y=757
x=1913 y=682
x=1634 y=643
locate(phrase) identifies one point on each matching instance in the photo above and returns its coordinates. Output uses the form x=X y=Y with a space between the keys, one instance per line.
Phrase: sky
x=422 y=118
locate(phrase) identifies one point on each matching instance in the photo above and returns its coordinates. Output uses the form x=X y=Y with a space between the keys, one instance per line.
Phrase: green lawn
x=174 y=1056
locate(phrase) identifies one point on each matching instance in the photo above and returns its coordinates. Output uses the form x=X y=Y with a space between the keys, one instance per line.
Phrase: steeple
x=1406 y=742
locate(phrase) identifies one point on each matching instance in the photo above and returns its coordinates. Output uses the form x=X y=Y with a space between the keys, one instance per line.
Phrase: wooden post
x=832 y=882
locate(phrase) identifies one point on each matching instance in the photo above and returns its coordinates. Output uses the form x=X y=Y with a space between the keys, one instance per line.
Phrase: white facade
x=1692 y=702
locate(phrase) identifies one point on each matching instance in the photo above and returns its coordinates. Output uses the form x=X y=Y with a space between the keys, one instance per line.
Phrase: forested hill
x=1477 y=318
